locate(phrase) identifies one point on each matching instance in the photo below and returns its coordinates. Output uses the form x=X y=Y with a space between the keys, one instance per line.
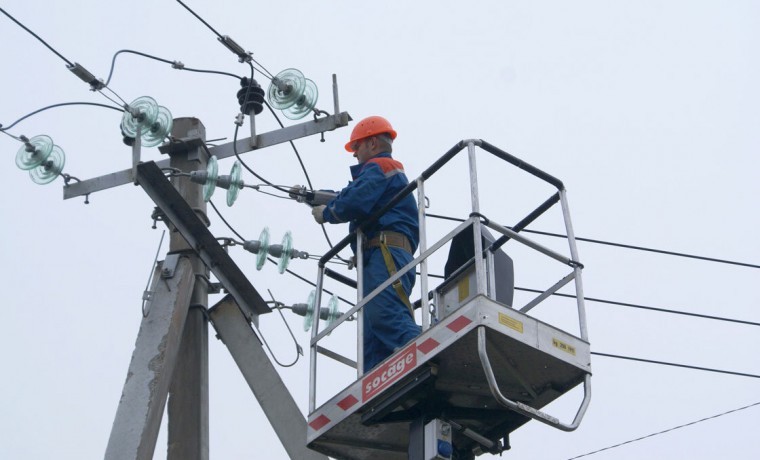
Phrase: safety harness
x=397 y=240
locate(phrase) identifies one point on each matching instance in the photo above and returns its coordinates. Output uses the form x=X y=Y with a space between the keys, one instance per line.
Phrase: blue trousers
x=388 y=323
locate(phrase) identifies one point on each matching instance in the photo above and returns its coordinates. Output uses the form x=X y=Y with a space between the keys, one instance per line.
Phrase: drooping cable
x=270 y=259
x=306 y=174
x=666 y=431
x=282 y=189
x=62 y=104
x=174 y=64
x=311 y=283
x=299 y=350
x=225 y=221
x=707 y=369
x=11 y=135
x=293 y=145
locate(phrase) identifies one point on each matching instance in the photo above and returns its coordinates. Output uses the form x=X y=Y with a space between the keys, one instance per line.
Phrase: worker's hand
x=296 y=192
x=317 y=212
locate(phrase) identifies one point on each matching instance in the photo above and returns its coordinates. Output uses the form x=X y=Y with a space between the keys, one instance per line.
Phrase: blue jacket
x=374 y=183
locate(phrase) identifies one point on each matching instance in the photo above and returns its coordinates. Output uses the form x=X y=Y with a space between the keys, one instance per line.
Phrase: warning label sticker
x=511 y=322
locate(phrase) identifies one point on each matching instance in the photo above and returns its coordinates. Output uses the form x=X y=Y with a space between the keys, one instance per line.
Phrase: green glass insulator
x=34 y=153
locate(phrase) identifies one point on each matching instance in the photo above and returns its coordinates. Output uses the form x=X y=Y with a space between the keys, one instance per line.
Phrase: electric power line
x=200 y=19
x=741 y=374
x=175 y=64
x=38 y=38
x=620 y=245
x=4 y=128
x=224 y=39
x=641 y=248
x=225 y=221
x=663 y=310
x=665 y=431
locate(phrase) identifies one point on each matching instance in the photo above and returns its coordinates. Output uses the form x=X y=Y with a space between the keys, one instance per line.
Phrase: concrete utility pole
x=171 y=353
x=170 y=360
x=188 y=394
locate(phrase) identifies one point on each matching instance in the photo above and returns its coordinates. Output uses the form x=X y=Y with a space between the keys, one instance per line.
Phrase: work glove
x=317 y=212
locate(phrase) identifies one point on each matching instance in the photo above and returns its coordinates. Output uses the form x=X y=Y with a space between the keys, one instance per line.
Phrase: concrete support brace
x=272 y=394
x=141 y=407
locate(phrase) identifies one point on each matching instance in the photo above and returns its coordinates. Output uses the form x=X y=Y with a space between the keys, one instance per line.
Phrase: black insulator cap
x=255 y=98
x=128 y=140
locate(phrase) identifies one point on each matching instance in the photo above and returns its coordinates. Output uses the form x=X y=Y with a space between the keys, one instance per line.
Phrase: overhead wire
x=632 y=305
x=666 y=431
x=299 y=350
x=225 y=221
x=4 y=128
x=222 y=37
x=111 y=99
x=200 y=19
x=235 y=137
x=642 y=248
x=245 y=165
x=664 y=363
x=265 y=72
x=69 y=63
x=242 y=239
x=174 y=64
x=306 y=174
x=620 y=245
x=311 y=283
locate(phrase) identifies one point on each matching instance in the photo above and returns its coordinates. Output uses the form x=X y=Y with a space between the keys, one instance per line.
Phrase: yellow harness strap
x=391 y=266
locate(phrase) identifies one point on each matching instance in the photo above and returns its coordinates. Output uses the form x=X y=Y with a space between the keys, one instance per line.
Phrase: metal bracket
x=183 y=144
x=169 y=266
x=197 y=235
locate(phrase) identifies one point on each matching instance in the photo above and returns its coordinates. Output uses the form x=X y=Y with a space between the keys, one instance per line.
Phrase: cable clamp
x=485 y=219
x=202 y=308
x=576 y=264
x=178 y=65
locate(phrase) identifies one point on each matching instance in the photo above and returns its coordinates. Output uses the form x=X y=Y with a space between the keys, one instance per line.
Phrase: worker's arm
x=358 y=199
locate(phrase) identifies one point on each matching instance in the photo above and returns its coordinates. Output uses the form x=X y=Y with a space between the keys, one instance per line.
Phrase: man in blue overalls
x=389 y=243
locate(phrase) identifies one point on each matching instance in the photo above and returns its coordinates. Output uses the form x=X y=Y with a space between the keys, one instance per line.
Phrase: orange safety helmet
x=370 y=126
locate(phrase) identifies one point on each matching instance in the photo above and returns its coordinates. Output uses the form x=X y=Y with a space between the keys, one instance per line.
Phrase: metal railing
x=483 y=256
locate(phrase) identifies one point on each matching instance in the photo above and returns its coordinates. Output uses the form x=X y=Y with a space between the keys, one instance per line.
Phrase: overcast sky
x=648 y=111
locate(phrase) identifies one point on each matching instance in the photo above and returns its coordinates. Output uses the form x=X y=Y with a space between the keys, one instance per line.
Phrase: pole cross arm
x=194 y=231
x=279 y=136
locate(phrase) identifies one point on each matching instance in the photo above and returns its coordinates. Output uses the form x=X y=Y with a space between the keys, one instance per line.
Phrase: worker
x=389 y=243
